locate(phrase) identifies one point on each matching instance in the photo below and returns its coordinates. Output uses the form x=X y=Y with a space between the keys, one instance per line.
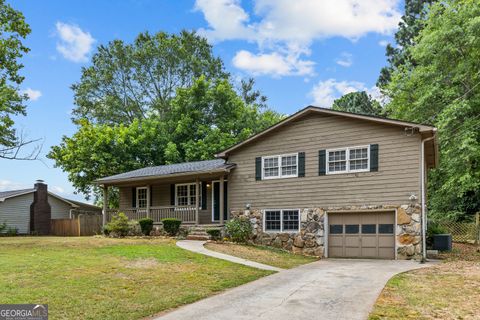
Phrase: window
x=354 y=159
x=284 y=166
x=286 y=220
x=385 y=228
x=336 y=228
x=141 y=197
x=185 y=194
x=369 y=228
x=351 y=228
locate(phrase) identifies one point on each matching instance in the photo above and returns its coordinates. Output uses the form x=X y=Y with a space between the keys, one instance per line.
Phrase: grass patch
x=99 y=278
x=266 y=255
x=445 y=291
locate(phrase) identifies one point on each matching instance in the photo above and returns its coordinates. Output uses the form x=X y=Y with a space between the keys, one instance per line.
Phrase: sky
x=303 y=52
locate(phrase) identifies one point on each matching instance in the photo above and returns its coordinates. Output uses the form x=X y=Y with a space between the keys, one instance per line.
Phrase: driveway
x=327 y=289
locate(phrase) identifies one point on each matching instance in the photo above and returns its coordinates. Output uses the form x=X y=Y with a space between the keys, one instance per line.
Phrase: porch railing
x=184 y=213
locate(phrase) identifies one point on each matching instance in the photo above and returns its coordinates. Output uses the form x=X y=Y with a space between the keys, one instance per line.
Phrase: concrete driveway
x=327 y=289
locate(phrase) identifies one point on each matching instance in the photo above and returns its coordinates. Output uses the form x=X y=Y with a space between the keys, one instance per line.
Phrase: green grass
x=98 y=278
x=266 y=255
x=444 y=291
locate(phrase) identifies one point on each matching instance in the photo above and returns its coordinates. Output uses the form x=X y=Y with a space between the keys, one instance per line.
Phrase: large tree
x=443 y=89
x=13 y=30
x=408 y=29
x=129 y=81
x=203 y=119
x=358 y=102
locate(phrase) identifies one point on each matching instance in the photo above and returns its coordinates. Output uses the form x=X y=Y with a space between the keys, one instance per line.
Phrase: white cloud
x=75 y=44
x=325 y=92
x=33 y=95
x=273 y=64
x=383 y=43
x=57 y=189
x=287 y=28
x=345 y=60
x=7 y=185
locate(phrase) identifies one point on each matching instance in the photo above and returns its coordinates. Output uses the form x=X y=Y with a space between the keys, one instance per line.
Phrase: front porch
x=192 y=197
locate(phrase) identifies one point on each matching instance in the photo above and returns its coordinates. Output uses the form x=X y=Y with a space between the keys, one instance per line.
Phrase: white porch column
x=197 y=198
x=148 y=201
x=105 y=205
x=221 y=200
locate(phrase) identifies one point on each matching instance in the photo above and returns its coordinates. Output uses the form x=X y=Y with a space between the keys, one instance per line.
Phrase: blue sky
x=300 y=52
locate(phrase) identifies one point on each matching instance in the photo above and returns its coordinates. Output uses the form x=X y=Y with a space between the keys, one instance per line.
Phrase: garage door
x=361 y=235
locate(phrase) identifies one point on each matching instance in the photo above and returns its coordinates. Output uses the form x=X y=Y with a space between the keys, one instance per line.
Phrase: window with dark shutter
x=134 y=197
x=258 y=168
x=374 y=157
x=301 y=164
x=322 y=159
x=172 y=194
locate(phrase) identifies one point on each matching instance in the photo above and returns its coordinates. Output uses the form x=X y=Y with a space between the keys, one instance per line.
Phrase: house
x=30 y=211
x=320 y=182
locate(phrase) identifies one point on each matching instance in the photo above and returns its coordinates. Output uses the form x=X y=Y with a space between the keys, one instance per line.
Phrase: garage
x=361 y=235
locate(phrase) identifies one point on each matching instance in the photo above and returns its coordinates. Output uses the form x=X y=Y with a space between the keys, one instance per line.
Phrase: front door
x=216 y=201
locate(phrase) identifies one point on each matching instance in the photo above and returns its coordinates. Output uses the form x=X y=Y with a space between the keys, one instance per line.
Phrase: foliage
x=171 y=225
x=408 y=29
x=443 y=89
x=127 y=82
x=147 y=225
x=239 y=229
x=215 y=234
x=13 y=30
x=118 y=226
x=203 y=119
x=11 y=231
x=3 y=227
x=358 y=102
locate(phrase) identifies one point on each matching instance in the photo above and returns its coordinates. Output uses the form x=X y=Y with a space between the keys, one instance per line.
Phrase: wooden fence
x=83 y=225
x=463 y=231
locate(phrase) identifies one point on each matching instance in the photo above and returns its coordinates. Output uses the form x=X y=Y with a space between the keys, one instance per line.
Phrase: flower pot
x=442 y=242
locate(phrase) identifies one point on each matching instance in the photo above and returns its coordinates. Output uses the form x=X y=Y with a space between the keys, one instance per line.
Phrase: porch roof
x=170 y=170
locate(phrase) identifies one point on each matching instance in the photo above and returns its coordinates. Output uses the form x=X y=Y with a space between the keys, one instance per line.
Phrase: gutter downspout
x=424 y=212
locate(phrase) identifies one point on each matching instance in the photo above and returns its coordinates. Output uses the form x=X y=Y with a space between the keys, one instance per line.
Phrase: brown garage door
x=361 y=235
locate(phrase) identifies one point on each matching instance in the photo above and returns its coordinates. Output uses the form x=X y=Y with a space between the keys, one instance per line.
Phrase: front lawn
x=98 y=278
x=449 y=290
x=266 y=255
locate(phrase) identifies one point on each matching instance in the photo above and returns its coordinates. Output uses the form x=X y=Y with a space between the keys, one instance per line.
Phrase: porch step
x=198 y=237
x=200 y=232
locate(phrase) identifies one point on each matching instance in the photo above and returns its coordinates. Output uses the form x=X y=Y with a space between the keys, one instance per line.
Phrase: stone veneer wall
x=311 y=238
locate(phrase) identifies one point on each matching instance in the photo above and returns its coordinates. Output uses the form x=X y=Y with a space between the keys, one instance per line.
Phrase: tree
x=443 y=89
x=408 y=29
x=203 y=119
x=358 y=102
x=13 y=29
x=134 y=81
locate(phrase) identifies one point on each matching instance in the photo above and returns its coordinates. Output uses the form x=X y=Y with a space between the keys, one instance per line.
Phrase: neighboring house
x=321 y=182
x=30 y=210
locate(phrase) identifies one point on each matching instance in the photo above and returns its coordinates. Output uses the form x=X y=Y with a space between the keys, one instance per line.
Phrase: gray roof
x=13 y=193
x=185 y=167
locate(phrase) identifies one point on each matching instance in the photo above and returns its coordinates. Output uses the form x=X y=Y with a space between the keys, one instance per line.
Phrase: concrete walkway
x=328 y=289
x=197 y=246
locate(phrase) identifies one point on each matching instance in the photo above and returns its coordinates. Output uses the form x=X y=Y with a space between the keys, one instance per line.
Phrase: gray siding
x=397 y=177
x=60 y=209
x=15 y=212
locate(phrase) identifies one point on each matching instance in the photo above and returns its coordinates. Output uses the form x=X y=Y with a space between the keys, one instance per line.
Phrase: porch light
x=208 y=185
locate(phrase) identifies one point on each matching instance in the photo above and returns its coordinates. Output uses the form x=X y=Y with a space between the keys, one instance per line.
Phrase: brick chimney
x=40 y=211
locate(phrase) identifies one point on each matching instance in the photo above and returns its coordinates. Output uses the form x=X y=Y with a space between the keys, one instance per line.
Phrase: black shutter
x=258 y=168
x=374 y=157
x=172 y=194
x=301 y=164
x=134 y=197
x=204 y=195
x=225 y=200
x=322 y=162
x=151 y=195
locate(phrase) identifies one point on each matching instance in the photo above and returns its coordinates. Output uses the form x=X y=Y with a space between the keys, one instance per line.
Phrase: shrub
x=215 y=234
x=134 y=228
x=118 y=226
x=171 y=225
x=3 y=227
x=12 y=231
x=239 y=229
x=147 y=225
